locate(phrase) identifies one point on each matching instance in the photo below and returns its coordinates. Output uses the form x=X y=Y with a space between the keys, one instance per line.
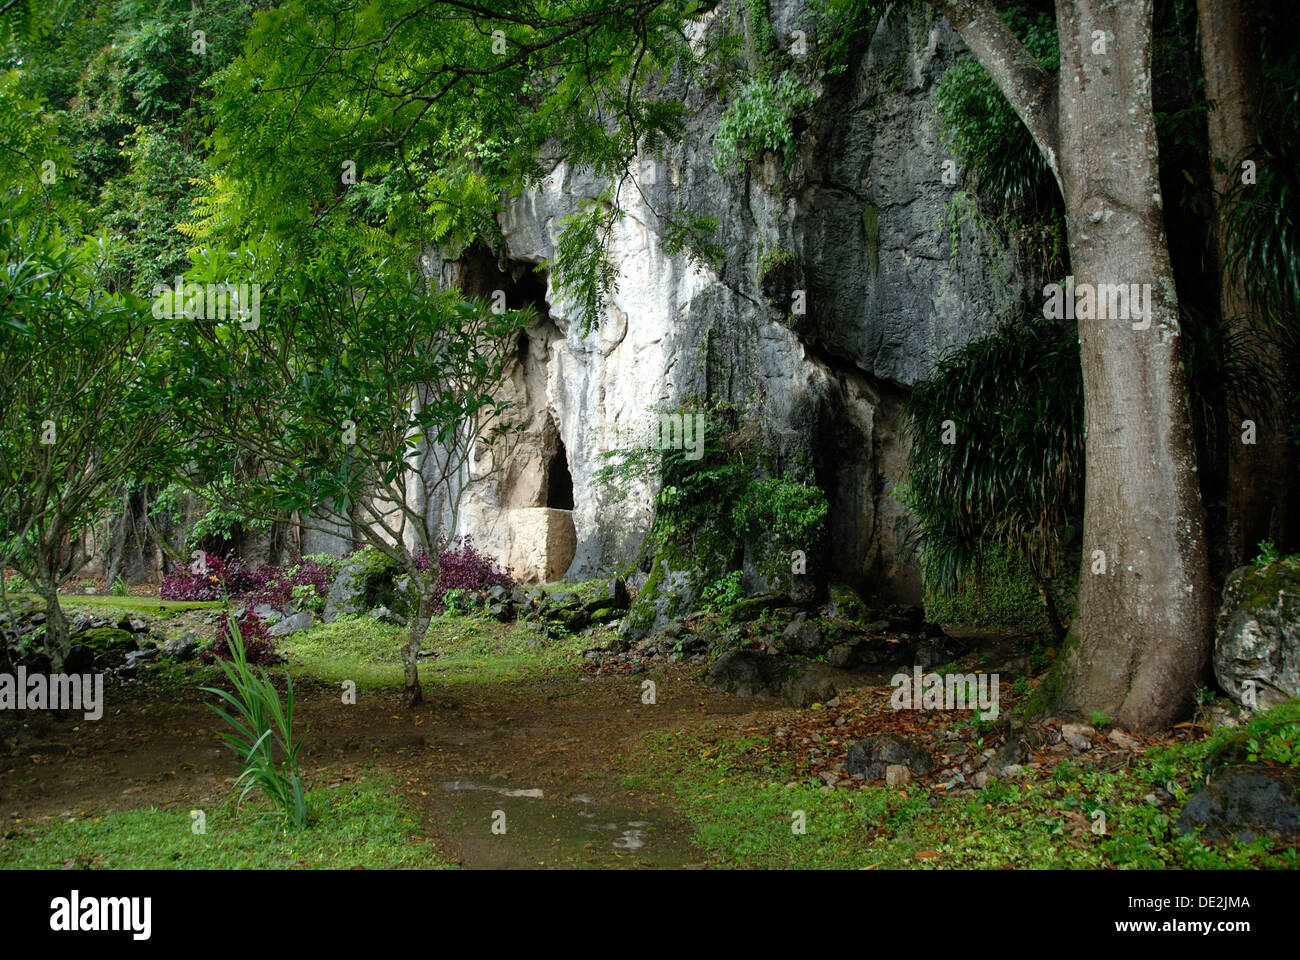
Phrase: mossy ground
x=499 y=702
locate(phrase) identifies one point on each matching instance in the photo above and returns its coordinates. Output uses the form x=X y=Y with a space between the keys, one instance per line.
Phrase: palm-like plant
x=1014 y=473
x=262 y=728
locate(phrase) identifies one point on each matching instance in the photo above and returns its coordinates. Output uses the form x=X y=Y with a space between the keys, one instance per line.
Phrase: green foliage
x=760 y=27
x=262 y=736
x=769 y=260
x=1263 y=218
x=760 y=119
x=360 y=823
x=997 y=156
x=739 y=795
x=723 y=592
x=458 y=601
x=1271 y=736
x=580 y=269
x=1012 y=403
x=691 y=232
x=984 y=134
x=225 y=518
x=999 y=590
x=119 y=587
x=1268 y=555
x=711 y=510
x=349 y=339
x=792 y=511
x=76 y=416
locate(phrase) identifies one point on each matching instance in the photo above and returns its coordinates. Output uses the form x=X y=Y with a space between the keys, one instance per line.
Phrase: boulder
x=606 y=614
x=1245 y=802
x=183 y=648
x=612 y=596
x=869 y=758
x=137 y=657
x=108 y=660
x=80 y=659
x=1078 y=736
x=751 y=608
x=299 y=621
x=366 y=579
x=502 y=612
x=387 y=616
x=267 y=614
x=800 y=636
x=1257 y=634
x=810 y=683
x=845 y=604
x=102 y=639
x=746 y=673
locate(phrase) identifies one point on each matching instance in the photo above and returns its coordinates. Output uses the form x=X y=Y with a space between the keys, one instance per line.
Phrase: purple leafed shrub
x=223 y=577
x=259 y=647
x=277 y=587
x=230 y=577
x=462 y=567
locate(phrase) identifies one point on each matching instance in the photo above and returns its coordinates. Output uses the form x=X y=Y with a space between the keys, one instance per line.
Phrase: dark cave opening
x=559 y=481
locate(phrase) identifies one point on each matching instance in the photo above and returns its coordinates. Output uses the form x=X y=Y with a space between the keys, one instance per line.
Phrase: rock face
x=852 y=220
x=292 y=624
x=1257 y=634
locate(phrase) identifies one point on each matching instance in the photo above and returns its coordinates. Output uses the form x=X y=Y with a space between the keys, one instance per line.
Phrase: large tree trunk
x=1141 y=640
x=1144 y=625
x=1257 y=505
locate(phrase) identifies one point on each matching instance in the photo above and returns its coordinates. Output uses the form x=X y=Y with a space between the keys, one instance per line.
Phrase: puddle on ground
x=549 y=830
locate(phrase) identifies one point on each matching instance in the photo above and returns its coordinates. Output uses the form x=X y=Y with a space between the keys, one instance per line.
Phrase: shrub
x=217 y=578
x=760 y=119
x=306 y=582
x=461 y=566
x=258 y=647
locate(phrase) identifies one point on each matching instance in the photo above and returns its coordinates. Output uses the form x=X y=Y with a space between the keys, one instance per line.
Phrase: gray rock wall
x=860 y=206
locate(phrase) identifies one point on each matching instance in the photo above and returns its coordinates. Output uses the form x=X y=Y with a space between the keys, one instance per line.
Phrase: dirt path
x=544 y=759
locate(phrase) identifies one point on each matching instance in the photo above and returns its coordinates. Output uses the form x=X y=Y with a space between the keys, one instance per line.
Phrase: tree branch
x=1029 y=88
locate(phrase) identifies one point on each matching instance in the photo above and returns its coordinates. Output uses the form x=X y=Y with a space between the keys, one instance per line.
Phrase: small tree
x=365 y=399
x=75 y=418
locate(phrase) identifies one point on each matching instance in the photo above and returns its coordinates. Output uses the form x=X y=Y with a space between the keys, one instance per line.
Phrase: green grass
x=150 y=605
x=355 y=824
x=470 y=650
x=584 y=588
x=742 y=806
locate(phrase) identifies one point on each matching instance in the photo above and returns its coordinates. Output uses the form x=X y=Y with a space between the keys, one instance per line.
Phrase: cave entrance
x=558 y=479
x=480 y=274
